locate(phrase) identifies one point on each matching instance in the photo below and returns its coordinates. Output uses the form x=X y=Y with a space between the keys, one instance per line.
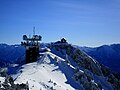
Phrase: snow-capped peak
x=50 y=72
x=64 y=67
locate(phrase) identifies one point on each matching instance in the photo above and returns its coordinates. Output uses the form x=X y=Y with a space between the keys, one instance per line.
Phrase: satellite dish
x=24 y=37
x=40 y=37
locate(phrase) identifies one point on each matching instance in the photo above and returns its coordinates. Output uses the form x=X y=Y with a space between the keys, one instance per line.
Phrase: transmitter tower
x=32 y=45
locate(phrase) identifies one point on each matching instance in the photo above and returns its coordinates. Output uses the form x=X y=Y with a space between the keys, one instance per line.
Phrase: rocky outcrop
x=115 y=82
x=8 y=82
x=81 y=58
x=86 y=80
x=89 y=65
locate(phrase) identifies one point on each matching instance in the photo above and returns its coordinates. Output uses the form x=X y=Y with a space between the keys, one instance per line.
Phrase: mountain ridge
x=108 y=55
x=62 y=66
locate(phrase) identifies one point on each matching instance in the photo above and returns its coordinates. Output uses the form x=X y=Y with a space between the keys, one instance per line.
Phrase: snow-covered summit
x=64 y=67
x=48 y=73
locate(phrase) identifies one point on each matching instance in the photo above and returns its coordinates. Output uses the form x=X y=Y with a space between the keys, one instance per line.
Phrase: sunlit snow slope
x=50 y=72
x=64 y=67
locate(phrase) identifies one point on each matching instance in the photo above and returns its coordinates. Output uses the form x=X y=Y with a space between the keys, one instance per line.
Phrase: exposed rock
x=86 y=80
x=8 y=83
x=89 y=65
x=114 y=82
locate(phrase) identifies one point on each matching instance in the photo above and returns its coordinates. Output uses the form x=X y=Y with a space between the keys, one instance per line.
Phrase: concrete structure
x=32 y=47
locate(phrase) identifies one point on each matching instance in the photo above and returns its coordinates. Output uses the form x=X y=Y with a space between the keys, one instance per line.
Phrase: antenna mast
x=32 y=45
x=33 y=30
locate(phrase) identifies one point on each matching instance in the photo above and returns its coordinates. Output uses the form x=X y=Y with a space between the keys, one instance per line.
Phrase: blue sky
x=81 y=22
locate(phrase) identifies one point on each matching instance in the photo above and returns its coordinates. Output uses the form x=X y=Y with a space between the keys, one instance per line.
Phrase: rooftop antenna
x=33 y=30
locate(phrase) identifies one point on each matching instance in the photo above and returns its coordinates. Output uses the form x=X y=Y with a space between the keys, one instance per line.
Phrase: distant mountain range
x=11 y=54
x=108 y=55
x=61 y=66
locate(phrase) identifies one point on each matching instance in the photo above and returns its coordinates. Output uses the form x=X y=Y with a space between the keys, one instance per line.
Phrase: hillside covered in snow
x=109 y=55
x=61 y=66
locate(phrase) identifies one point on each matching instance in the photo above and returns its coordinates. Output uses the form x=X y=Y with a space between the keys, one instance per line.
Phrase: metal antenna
x=33 y=30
